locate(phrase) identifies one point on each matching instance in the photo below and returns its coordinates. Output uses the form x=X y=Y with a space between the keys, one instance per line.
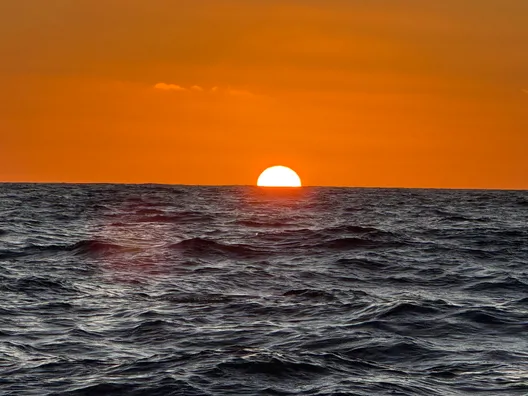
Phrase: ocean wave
x=263 y=223
x=158 y=386
x=178 y=217
x=276 y=366
x=310 y=293
x=393 y=351
x=357 y=243
x=321 y=234
x=85 y=247
x=362 y=264
x=94 y=247
x=499 y=285
x=489 y=316
x=148 y=212
x=200 y=246
x=10 y=254
x=38 y=284
x=194 y=298
x=410 y=309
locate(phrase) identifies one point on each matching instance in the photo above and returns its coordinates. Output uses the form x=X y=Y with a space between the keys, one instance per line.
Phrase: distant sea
x=186 y=290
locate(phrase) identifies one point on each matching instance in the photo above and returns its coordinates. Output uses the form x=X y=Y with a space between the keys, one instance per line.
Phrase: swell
x=91 y=247
x=491 y=316
x=263 y=223
x=37 y=284
x=153 y=216
x=326 y=232
x=310 y=294
x=411 y=309
x=207 y=247
x=334 y=238
x=357 y=243
x=272 y=366
x=364 y=264
x=387 y=351
x=499 y=285
x=94 y=247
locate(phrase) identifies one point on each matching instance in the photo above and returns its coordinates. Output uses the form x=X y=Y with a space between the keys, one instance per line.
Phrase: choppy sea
x=187 y=290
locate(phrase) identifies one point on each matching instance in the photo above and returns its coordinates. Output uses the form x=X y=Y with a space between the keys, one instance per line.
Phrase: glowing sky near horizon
x=354 y=93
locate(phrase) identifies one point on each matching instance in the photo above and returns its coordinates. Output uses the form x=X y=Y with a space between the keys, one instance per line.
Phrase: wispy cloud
x=169 y=87
x=198 y=89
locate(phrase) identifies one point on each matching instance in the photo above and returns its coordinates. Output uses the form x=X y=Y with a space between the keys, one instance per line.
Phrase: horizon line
x=254 y=185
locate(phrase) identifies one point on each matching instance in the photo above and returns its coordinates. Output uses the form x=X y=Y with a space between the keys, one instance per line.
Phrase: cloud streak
x=198 y=89
x=169 y=87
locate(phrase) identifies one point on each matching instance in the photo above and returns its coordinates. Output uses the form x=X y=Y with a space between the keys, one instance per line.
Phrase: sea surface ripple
x=187 y=290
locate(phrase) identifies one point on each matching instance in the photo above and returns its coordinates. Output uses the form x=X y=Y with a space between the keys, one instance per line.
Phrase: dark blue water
x=173 y=290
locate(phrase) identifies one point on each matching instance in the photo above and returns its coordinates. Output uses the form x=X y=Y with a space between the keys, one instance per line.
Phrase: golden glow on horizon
x=279 y=176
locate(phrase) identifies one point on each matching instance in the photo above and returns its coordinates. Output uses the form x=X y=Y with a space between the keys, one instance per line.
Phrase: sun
x=279 y=176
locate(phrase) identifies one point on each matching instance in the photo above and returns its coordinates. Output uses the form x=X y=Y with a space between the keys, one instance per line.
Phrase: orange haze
x=356 y=93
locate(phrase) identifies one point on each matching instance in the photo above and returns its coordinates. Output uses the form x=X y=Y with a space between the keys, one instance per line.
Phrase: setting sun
x=279 y=176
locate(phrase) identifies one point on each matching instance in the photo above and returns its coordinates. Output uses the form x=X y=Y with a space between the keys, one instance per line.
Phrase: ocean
x=196 y=290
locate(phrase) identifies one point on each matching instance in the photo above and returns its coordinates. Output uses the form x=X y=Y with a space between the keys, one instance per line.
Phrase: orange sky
x=408 y=93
